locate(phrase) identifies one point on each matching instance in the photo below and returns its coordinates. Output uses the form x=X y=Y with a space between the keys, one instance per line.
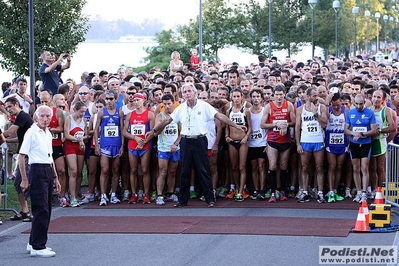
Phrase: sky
x=169 y=12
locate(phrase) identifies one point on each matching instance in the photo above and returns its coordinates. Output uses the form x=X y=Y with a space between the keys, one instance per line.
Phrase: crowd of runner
x=317 y=129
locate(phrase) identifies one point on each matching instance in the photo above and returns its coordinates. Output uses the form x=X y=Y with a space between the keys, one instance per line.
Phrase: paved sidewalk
x=182 y=249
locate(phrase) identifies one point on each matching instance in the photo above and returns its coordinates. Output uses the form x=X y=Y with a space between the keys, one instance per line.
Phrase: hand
x=82 y=145
x=97 y=151
x=121 y=151
x=149 y=134
x=313 y=108
x=173 y=149
x=215 y=150
x=24 y=185
x=57 y=185
x=357 y=136
x=244 y=140
x=299 y=149
x=241 y=127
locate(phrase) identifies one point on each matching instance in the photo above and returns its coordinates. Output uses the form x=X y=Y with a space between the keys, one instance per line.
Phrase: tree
x=59 y=26
x=160 y=55
x=217 y=26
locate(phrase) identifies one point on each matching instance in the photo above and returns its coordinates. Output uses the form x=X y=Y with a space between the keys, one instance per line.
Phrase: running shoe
x=74 y=203
x=291 y=194
x=353 y=192
x=114 y=199
x=68 y=197
x=160 y=201
x=140 y=195
x=146 y=199
x=88 y=198
x=222 y=192
x=126 y=195
x=320 y=198
x=303 y=198
x=373 y=194
x=277 y=194
x=338 y=197
x=202 y=198
x=363 y=198
x=268 y=193
x=103 y=201
x=255 y=195
x=331 y=197
x=193 y=194
x=153 y=195
x=358 y=197
x=64 y=203
x=300 y=191
x=348 y=193
x=261 y=195
x=313 y=193
x=211 y=204
x=173 y=198
x=231 y=194
x=273 y=198
x=133 y=198
x=245 y=194
x=239 y=197
x=282 y=196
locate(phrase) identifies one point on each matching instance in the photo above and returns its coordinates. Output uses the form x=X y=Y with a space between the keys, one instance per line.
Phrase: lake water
x=94 y=57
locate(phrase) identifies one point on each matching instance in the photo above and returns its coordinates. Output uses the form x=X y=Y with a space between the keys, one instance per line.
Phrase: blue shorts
x=110 y=151
x=312 y=146
x=337 y=150
x=169 y=156
x=138 y=153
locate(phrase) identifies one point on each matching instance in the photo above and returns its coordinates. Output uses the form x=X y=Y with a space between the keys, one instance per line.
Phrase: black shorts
x=58 y=151
x=358 y=151
x=93 y=152
x=280 y=147
x=256 y=153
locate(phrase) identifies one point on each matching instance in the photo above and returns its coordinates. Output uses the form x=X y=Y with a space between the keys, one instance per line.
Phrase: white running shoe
x=160 y=201
x=114 y=199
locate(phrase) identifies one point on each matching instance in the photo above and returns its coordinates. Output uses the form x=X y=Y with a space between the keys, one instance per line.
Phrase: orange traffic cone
x=366 y=212
x=378 y=197
x=360 y=225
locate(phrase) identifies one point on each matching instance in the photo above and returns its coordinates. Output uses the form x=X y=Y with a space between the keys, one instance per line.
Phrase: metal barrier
x=391 y=186
x=4 y=194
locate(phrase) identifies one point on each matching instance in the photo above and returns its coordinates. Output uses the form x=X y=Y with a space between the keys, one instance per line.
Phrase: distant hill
x=104 y=30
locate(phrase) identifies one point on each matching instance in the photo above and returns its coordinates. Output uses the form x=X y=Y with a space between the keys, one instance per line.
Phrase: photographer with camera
x=49 y=71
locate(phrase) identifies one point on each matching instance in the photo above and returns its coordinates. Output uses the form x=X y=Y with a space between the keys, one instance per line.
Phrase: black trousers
x=195 y=151
x=41 y=178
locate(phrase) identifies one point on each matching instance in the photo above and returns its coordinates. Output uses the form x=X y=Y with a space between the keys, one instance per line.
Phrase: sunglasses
x=43 y=101
x=109 y=99
x=306 y=69
x=83 y=93
x=130 y=93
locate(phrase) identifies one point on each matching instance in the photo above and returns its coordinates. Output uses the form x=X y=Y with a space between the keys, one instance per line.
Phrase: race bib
x=337 y=138
x=78 y=135
x=280 y=122
x=137 y=129
x=256 y=134
x=359 y=129
x=170 y=130
x=312 y=128
x=111 y=131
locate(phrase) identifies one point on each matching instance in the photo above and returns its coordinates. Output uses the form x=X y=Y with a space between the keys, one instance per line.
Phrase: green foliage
x=59 y=26
x=217 y=27
x=160 y=55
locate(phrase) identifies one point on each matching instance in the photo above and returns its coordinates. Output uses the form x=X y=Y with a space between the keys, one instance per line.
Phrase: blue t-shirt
x=110 y=129
x=50 y=80
x=360 y=122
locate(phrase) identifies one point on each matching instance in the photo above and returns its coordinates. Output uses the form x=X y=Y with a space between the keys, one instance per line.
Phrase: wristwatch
x=154 y=130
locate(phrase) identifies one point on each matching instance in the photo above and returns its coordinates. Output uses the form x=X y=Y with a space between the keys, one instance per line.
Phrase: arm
x=121 y=115
x=67 y=125
x=21 y=163
x=151 y=118
x=249 y=128
x=54 y=65
x=322 y=118
x=158 y=119
x=228 y=122
x=60 y=119
x=9 y=132
x=97 y=130
x=159 y=127
x=218 y=128
x=391 y=123
x=292 y=115
x=393 y=134
x=176 y=144
x=265 y=118
x=68 y=63
x=298 y=123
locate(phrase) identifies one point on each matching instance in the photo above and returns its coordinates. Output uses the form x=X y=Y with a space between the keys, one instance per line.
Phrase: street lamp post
x=312 y=4
x=367 y=15
x=385 y=17
x=270 y=29
x=392 y=21
x=336 y=6
x=200 y=31
x=355 y=12
x=377 y=16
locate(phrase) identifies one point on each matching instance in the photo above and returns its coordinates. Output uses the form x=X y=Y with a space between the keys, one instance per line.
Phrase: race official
x=38 y=183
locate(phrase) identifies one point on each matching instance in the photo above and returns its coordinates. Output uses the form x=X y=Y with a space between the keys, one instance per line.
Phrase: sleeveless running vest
x=311 y=131
x=258 y=135
x=110 y=129
x=139 y=125
x=57 y=141
x=278 y=114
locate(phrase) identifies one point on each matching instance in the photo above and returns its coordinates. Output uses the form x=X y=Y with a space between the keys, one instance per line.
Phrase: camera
x=65 y=56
